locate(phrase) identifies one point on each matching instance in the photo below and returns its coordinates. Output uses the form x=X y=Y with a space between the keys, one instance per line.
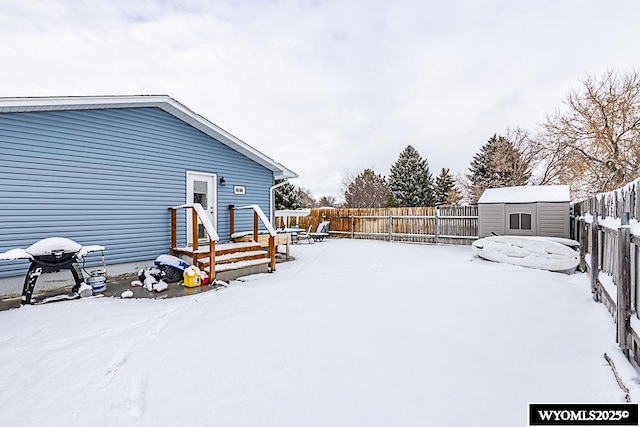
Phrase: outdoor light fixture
x=222 y=181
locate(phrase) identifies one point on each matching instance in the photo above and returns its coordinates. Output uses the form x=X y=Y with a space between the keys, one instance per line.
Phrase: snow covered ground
x=352 y=333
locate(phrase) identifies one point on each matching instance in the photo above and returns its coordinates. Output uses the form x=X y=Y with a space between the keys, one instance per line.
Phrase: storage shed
x=538 y=210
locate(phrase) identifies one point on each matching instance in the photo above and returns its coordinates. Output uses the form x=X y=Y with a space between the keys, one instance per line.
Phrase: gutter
x=272 y=201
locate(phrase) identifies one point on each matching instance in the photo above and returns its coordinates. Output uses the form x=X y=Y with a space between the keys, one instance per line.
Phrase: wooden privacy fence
x=444 y=224
x=613 y=203
x=610 y=252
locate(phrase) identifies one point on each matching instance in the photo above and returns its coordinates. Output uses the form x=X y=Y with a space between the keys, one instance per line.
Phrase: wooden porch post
x=194 y=234
x=212 y=261
x=232 y=222
x=272 y=252
x=174 y=231
x=255 y=226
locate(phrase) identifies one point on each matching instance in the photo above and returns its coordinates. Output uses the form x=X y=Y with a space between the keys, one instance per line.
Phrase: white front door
x=201 y=188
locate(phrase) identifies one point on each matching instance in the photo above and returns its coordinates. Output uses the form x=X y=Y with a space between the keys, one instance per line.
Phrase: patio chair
x=321 y=232
x=304 y=235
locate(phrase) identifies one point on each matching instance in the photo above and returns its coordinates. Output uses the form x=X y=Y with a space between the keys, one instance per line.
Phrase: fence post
x=595 y=268
x=352 y=225
x=583 y=245
x=390 y=227
x=624 y=289
x=436 y=226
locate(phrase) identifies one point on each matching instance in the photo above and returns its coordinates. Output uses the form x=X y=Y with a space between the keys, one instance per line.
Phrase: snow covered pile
x=531 y=252
x=151 y=280
x=15 y=254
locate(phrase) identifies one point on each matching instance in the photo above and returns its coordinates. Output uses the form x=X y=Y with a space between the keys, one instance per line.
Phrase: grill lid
x=56 y=246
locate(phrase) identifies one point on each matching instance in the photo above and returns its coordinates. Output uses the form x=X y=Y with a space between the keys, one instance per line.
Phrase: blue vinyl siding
x=108 y=176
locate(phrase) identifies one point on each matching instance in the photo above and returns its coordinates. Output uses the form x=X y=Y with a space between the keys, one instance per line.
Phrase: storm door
x=201 y=188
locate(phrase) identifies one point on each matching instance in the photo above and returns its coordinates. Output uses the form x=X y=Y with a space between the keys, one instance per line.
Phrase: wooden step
x=228 y=248
x=239 y=265
x=188 y=250
x=221 y=249
x=232 y=259
x=236 y=257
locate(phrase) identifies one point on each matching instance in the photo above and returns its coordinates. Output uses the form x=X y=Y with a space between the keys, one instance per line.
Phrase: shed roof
x=164 y=102
x=526 y=194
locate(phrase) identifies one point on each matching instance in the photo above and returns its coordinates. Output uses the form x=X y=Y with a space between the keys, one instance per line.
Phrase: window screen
x=514 y=221
x=520 y=221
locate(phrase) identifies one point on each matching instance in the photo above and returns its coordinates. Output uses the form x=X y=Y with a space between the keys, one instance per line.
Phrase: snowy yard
x=352 y=333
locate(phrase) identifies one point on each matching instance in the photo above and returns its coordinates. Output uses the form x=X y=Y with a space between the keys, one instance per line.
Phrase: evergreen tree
x=410 y=180
x=288 y=197
x=367 y=190
x=446 y=192
x=498 y=164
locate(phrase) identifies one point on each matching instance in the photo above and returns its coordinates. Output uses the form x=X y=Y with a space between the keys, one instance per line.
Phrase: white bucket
x=97 y=283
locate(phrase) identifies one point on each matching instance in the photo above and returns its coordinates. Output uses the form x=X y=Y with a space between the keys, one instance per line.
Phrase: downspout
x=272 y=207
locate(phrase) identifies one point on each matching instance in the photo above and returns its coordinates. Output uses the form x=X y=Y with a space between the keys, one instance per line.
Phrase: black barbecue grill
x=50 y=256
x=58 y=260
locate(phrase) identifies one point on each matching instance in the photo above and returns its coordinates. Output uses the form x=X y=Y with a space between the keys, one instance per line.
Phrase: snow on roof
x=526 y=194
x=164 y=102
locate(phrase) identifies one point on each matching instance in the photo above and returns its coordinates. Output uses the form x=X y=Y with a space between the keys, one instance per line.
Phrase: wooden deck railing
x=197 y=213
x=258 y=215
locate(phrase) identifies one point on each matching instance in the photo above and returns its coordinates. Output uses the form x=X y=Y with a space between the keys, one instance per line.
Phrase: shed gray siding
x=553 y=219
x=548 y=219
x=108 y=176
x=490 y=219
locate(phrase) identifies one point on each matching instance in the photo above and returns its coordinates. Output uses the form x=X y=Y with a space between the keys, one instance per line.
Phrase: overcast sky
x=327 y=88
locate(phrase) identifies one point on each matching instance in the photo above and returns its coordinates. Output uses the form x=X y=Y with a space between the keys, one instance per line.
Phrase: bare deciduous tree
x=307 y=200
x=328 y=201
x=594 y=143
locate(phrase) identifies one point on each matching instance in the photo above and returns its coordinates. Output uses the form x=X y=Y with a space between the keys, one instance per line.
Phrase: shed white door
x=201 y=188
x=521 y=219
